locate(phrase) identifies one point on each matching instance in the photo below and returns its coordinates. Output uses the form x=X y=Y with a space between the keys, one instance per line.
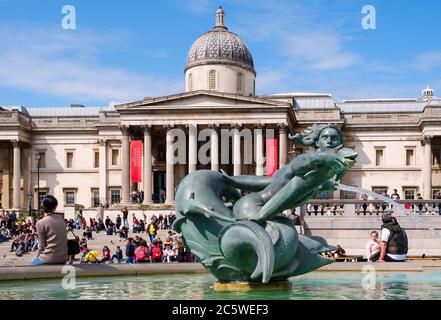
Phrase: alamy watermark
x=369 y=20
x=69 y=20
x=369 y=280
x=69 y=281
x=237 y=146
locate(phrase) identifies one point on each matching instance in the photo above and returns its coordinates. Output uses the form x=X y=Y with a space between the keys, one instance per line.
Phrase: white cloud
x=66 y=64
x=295 y=32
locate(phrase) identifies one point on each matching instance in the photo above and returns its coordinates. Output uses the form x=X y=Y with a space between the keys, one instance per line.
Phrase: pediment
x=199 y=98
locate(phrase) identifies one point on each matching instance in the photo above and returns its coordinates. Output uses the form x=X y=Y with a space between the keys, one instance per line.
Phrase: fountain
x=251 y=244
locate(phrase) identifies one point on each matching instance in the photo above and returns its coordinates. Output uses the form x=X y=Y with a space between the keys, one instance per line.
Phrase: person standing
x=438 y=197
x=107 y=222
x=420 y=204
x=79 y=219
x=125 y=214
x=373 y=245
x=52 y=235
x=385 y=204
x=118 y=222
x=364 y=197
x=152 y=229
x=395 y=196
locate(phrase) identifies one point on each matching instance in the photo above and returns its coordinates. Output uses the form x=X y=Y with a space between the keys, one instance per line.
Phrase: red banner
x=136 y=161
x=272 y=156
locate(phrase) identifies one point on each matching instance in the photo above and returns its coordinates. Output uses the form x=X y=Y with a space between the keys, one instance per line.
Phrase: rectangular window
x=69 y=159
x=115 y=157
x=41 y=195
x=161 y=153
x=435 y=192
x=115 y=196
x=69 y=197
x=436 y=160
x=379 y=157
x=380 y=190
x=410 y=158
x=409 y=193
x=95 y=198
x=348 y=195
x=96 y=159
x=42 y=158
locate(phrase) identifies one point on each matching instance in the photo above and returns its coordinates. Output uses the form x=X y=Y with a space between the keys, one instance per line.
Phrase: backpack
x=140 y=254
x=156 y=253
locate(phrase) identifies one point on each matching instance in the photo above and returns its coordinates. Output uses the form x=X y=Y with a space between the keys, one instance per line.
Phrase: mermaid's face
x=329 y=139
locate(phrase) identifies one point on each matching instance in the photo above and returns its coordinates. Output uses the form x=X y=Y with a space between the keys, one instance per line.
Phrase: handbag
x=73 y=245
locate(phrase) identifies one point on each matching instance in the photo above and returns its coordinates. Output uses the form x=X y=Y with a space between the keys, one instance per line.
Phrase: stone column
x=259 y=149
x=125 y=165
x=192 y=147
x=4 y=160
x=27 y=175
x=214 y=147
x=237 y=164
x=147 y=179
x=16 y=174
x=103 y=170
x=170 y=167
x=427 y=167
x=283 y=151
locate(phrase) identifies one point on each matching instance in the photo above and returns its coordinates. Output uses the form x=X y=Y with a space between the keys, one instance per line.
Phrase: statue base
x=247 y=286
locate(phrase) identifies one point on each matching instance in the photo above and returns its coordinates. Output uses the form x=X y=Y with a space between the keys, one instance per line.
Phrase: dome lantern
x=427 y=93
x=220 y=19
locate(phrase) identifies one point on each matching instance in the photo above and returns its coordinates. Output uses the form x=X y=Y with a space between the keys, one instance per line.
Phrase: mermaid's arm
x=248 y=183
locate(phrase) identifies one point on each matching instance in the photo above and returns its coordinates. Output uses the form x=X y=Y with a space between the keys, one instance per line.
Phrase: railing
x=339 y=207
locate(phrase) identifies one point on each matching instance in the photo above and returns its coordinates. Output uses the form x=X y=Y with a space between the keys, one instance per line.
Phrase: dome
x=220 y=46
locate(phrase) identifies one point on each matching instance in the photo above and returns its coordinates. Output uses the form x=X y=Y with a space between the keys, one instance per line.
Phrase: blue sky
x=123 y=52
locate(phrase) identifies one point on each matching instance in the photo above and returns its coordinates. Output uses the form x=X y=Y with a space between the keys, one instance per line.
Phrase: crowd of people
x=22 y=234
x=137 y=249
x=377 y=207
x=48 y=236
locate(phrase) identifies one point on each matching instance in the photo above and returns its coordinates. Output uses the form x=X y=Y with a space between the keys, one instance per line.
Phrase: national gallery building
x=86 y=155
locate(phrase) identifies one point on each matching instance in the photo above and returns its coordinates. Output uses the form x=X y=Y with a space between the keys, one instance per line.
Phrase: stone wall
x=352 y=232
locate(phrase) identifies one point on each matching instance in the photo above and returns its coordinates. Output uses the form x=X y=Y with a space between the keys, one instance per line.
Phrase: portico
x=180 y=117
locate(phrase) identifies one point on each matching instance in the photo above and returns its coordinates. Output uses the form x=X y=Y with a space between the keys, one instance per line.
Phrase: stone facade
x=85 y=151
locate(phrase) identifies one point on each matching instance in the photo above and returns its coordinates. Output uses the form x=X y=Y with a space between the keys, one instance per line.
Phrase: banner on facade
x=272 y=156
x=136 y=161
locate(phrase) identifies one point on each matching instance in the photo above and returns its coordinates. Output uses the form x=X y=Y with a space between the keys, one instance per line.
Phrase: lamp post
x=37 y=157
x=30 y=206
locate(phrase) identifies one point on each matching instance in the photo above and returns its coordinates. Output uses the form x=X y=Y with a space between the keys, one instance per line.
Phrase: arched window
x=212 y=80
x=239 y=83
x=190 y=82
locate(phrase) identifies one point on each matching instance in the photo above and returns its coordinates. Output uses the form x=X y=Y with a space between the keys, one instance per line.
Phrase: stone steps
x=97 y=243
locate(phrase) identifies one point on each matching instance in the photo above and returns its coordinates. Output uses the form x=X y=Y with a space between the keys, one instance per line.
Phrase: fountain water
x=397 y=206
